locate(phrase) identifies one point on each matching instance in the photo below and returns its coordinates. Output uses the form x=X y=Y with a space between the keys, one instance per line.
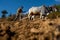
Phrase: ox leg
x=40 y=15
x=47 y=15
x=29 y=17
x=32 y=17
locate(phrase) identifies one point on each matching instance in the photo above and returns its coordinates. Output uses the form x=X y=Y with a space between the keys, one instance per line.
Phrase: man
x=19 y=13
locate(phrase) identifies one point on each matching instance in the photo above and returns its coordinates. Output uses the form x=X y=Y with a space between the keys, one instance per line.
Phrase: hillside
x=26 y=29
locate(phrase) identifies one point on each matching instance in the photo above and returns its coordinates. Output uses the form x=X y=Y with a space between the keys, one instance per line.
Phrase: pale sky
x=57 y=0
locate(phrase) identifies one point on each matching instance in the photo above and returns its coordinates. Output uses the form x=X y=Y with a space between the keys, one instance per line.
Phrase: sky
x=12 y=5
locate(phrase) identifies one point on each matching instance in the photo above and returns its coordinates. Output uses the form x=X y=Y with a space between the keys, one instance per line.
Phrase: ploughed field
x=26 y=29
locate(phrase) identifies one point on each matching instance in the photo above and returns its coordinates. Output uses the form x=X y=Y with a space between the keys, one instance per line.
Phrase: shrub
x=53 y=15
x=4 y=12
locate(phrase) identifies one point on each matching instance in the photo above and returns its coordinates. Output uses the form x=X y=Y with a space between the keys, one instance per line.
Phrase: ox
x=52 y=9
x=41 y=10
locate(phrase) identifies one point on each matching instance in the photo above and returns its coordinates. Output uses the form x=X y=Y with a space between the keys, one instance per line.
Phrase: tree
x=4 y=12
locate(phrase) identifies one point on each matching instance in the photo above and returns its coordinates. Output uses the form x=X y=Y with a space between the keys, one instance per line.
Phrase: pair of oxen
x=43 y=11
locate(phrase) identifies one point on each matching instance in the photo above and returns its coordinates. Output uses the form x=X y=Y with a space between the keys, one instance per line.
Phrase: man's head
x=20 y=9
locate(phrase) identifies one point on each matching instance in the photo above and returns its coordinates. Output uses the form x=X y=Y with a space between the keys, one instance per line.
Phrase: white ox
x=37 y=10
